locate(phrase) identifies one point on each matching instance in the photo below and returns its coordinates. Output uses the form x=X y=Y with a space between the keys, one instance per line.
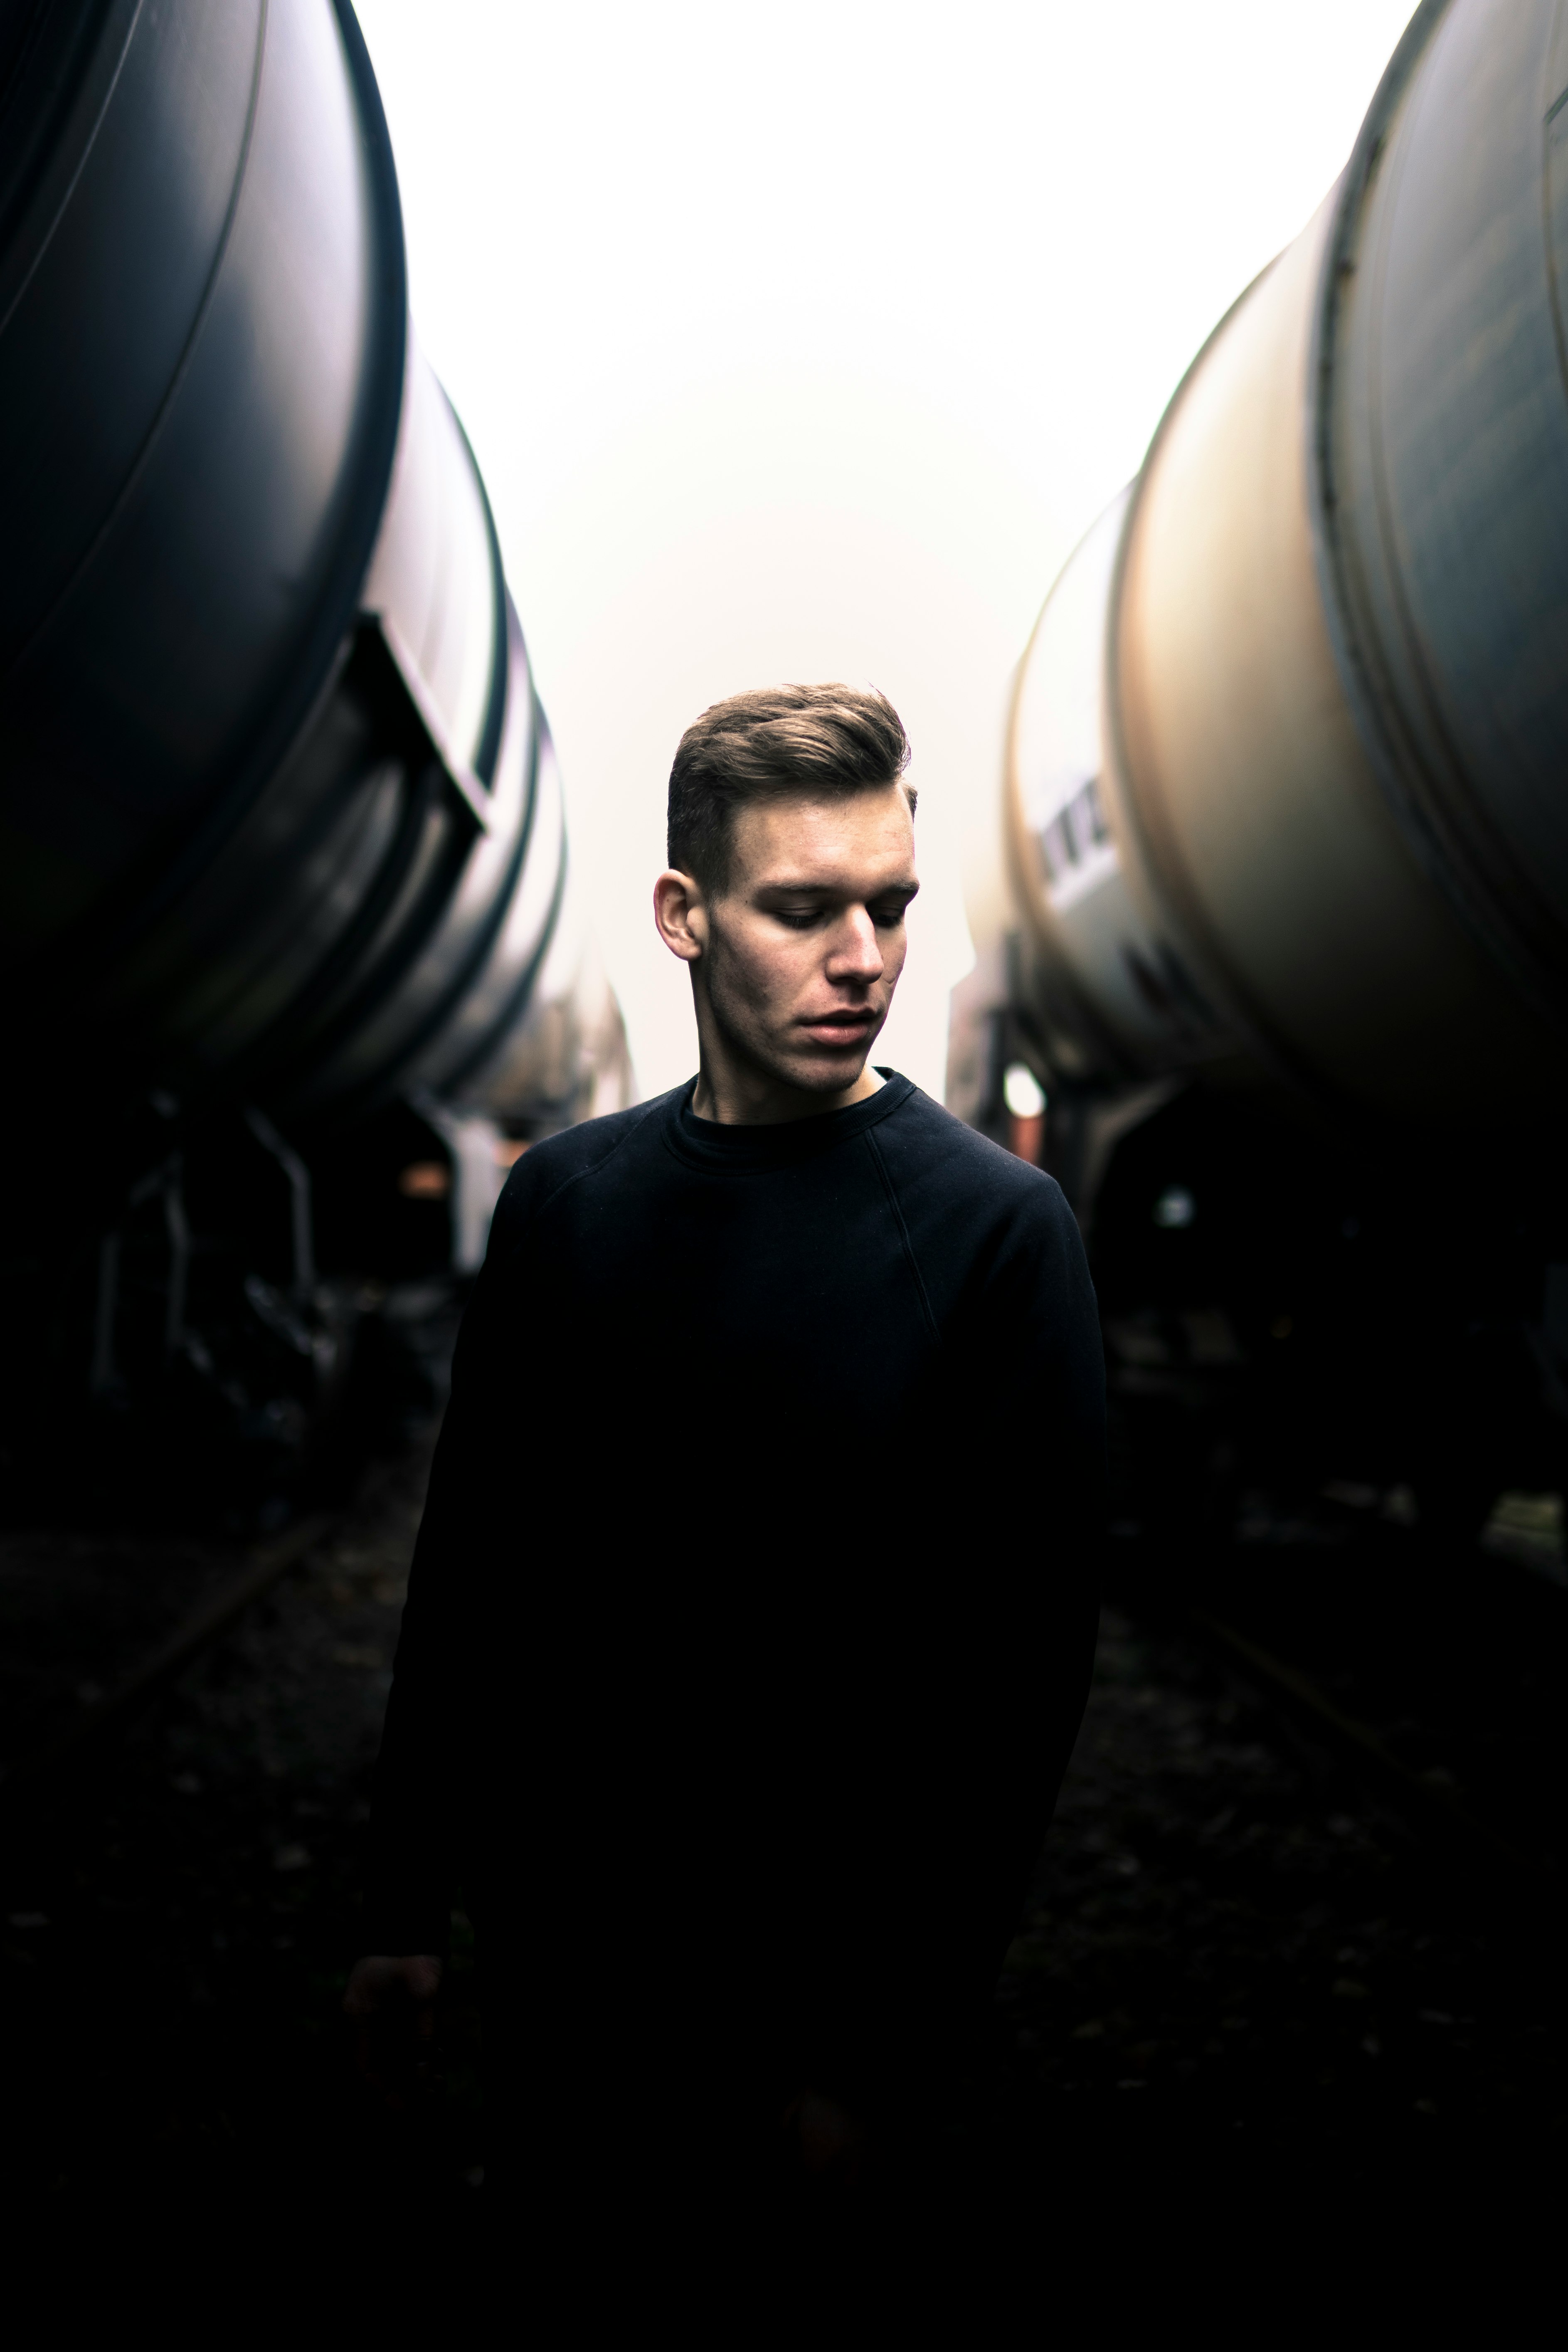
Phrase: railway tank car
x=294 y=959
x=1278 y=919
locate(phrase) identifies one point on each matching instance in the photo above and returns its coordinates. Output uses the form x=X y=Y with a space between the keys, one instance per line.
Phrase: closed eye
x=886 y=913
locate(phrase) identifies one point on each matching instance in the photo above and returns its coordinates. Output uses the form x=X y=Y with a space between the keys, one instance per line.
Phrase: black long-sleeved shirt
x=767 y=1499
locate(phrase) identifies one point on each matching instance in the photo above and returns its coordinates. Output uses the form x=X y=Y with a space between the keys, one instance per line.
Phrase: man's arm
x=421 y=1795
x=1037 y=1394
x=391 y=2004
x=456 y=1651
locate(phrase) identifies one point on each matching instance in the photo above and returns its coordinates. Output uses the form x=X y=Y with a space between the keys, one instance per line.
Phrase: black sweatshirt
x=755 y=1590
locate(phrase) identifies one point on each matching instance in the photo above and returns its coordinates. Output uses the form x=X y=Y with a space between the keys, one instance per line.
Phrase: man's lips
x=841 y=1028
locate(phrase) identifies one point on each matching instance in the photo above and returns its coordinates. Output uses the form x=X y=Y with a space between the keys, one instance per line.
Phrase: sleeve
x=423 y=1794
x=1040 y=1343
x=1037 y=1415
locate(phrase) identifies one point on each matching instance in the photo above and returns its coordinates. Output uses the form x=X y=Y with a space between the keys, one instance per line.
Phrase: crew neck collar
x=705 y=1143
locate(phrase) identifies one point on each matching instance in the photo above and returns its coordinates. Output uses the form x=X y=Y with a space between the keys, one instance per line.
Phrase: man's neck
x=745 y=1096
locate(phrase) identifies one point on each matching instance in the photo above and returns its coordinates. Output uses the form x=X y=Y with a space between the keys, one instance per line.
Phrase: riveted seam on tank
x=154 y=435
x=89 y=148
x=898 y=1216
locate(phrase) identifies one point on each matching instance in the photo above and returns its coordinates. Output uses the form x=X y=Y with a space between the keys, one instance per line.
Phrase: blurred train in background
x=1273 y=928
x=295 y=960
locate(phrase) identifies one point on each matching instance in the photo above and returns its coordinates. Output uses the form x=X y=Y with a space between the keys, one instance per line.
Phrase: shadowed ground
x=1255 y=2003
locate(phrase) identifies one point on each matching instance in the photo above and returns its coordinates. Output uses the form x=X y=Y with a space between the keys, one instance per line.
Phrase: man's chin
x=808 y=1066
x=829 y=1070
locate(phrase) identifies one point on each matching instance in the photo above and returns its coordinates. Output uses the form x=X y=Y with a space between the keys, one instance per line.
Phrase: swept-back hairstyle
x=821 y=741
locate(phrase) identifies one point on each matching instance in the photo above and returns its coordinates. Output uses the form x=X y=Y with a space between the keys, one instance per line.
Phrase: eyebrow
x=800 y=888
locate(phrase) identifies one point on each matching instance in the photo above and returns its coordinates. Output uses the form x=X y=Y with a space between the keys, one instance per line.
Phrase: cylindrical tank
x=287 y=925
x=1286 y=783
x=279 y=818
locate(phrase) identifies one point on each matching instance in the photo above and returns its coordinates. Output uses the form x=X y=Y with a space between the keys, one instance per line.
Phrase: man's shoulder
x=986 y=1230
x=591 y=1141
x=548 y=1167
x=929 y=1150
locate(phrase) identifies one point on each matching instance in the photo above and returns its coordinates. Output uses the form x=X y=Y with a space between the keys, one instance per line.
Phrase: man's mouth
x=845 y=1028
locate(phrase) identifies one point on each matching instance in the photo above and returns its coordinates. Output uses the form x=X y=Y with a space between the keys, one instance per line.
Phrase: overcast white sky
x=803 y=341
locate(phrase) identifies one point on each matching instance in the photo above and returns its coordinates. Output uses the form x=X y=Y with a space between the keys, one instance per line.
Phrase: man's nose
x=856 y=951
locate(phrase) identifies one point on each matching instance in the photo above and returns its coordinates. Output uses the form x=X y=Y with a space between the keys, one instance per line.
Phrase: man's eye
x=889 y=912
x=799 y=919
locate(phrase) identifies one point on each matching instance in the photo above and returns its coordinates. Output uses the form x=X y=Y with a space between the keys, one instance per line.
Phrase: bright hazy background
x=802 y=341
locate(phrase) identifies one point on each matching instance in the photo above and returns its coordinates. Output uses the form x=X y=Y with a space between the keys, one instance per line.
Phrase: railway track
x=1433 y=1681
x=39 y=1773
x=1432 y=1796
x=1255 y=1925
x=1431 y=1799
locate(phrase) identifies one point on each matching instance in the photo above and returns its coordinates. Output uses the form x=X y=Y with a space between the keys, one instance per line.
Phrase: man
x=751 y=1619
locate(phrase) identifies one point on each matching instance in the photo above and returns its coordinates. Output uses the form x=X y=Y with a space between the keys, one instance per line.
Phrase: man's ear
x=681 y=914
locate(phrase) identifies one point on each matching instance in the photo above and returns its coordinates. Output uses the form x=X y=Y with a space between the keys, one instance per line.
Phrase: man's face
x=804 y=947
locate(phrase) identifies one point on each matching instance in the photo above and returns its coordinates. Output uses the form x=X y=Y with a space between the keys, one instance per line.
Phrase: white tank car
x=1283 y=933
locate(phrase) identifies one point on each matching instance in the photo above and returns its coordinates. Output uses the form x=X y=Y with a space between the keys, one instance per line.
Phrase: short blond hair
x=780 y=741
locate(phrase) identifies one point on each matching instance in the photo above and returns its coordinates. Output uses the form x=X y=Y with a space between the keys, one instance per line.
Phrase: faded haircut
x=781 y=743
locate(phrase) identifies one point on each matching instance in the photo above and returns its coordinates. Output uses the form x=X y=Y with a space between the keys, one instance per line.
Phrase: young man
x=752 y=1615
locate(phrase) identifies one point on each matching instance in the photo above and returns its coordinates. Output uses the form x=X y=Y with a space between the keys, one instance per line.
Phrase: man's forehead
x=805 y=841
